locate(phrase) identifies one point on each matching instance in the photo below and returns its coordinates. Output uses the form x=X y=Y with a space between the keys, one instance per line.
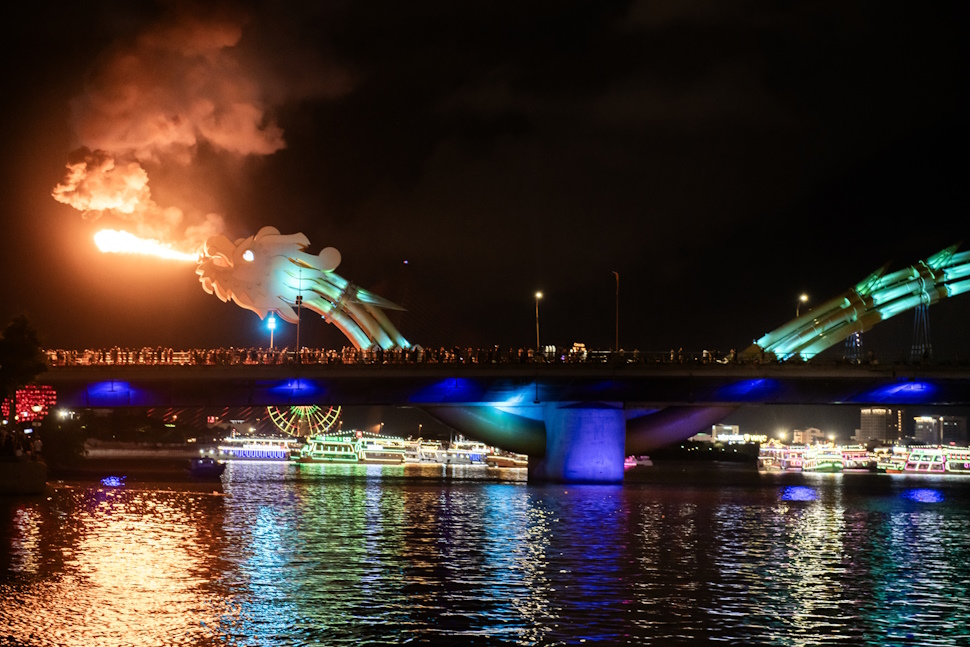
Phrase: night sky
x=722 y=158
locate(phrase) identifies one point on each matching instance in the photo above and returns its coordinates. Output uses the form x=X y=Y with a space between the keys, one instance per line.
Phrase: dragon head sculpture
x=271 y=272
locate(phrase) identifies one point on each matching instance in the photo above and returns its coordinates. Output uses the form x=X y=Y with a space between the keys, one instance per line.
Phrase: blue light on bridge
x=747 y=390
x=452 y=389
x=111 y=393
x=900 y=393
x=923 y=495
x=297 y=388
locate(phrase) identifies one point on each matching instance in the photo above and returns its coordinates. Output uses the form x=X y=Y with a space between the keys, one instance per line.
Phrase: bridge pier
x=584 y=444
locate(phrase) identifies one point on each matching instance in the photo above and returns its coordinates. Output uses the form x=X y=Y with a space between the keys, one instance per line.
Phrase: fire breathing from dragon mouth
x=122 y=242
x=183 y=84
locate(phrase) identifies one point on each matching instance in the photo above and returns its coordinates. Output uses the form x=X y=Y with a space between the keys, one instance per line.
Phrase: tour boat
x=822 y=458
x=775 y=457
x=891 y=460
x=856 y=458
x=421 y=451
x=464 y=452
x=388 y=451
x=507 y=459
x=938 y=460
x=335 y=449
x=957 y=460
x=925 y=460
x=244 y=448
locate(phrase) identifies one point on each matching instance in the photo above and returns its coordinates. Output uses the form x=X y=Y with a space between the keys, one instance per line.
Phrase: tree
x=21 y=357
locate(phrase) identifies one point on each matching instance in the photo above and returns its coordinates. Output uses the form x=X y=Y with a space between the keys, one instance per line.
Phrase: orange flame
x=122 y=242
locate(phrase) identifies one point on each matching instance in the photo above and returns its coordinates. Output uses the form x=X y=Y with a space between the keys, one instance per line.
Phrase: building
x=940 y=430
x=808 y=436
x=880 y=423
x=724 y=432
x=953 y=430
x=926 y=430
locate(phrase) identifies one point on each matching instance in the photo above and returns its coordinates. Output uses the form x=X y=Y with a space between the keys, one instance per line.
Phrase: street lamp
x=802 y=298
x=616 y=348
x=271 y=324
x=538 y=296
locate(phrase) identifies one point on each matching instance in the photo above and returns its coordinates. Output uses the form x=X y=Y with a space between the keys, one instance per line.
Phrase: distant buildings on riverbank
x=876 y=425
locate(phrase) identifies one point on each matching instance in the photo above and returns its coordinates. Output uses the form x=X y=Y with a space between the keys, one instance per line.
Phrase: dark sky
x=722 y=157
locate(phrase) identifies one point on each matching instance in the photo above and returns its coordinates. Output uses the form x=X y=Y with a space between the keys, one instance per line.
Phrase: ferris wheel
x=304 y=420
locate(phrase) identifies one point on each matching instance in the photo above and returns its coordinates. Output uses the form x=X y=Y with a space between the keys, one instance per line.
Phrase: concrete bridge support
x=584 y=444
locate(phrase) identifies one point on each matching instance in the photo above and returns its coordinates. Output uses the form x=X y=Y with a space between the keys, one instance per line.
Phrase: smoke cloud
x=153 y=101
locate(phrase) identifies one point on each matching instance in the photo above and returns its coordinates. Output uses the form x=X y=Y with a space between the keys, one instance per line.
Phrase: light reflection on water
x=281 y=554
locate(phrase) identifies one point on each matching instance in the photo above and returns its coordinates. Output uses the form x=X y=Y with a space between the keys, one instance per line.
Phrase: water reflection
x=330 y=555
x=123 y=560
x=923 y=495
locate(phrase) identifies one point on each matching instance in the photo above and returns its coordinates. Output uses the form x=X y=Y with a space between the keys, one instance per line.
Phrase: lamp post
x=299 y=306
x=616 y=347
x=271 y=324
x=802 y=298
x=538 y=296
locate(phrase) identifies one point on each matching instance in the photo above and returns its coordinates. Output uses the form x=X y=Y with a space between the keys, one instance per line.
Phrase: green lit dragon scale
x=876 y=298
x=270 y=272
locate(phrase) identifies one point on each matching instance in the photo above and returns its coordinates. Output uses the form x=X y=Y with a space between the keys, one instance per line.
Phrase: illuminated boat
x=775 y=457
x=507 y=459
x=822 y=458
x=206 y=467
x=389 y=451
x=856 y=458
x=935 y=459
x=464 y=452
x=422 y=451
x=926 y=460
x=957 y=460
x=891 y=460
x=634 y=461
x=327 y=449
x=335 y=449
x=241 y=448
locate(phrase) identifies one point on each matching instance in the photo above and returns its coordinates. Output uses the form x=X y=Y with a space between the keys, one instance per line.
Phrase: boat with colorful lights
x=637 y=461
x=250 y=448
x=856 y=458
x=937 y=459
x=891 y=460
x=464 y=452
x=776 y=457
x=822 y=458
x=422 y=451
x=957 y=460
x=349 y=450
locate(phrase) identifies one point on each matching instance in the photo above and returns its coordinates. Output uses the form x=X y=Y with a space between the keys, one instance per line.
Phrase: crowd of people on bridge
x=577 y=354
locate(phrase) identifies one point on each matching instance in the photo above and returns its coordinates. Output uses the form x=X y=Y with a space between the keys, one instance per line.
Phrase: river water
x=279 y=554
